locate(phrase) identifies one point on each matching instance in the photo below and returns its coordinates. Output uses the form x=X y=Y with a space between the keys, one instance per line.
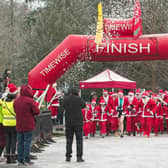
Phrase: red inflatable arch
x=80 y=47
x=124 y=47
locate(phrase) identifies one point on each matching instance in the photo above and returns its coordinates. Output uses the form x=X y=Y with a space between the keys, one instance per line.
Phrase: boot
x=8 y=159
x=68 y=159
x=79 y=159
x=13 y=159
x=134 y=133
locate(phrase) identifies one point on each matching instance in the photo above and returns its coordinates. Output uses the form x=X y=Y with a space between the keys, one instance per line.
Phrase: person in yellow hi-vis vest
x=2 y=133
x=9 y=123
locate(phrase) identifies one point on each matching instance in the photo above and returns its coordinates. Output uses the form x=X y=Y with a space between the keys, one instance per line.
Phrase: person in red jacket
x=131 y=114
x=158 y=119
x=94 y=117
x=148 y=107
x=87 y=116
x=110 y=103
x=121 y=103
x=102 y=111
x=26 y=109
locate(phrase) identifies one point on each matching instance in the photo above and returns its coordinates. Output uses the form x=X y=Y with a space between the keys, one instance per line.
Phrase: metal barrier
x=43 y=125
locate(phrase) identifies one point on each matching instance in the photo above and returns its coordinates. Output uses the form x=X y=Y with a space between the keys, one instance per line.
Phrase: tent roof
x=108 y=79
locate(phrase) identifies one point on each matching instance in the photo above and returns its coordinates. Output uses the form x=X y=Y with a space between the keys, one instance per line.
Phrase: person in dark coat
x=73 y=105
x=26 y=109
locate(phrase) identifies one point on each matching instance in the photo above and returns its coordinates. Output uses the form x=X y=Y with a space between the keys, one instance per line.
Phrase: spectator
x=2 y=133
x=73 y=105
x=26 y=109
x=60 y=111
x=9 y=123
x=6 y=79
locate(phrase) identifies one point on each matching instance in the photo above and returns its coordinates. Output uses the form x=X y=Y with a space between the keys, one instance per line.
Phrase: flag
x=137 y=20
x=99 y=31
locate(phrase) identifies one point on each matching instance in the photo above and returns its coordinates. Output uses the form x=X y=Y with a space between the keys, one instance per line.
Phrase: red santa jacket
x=94 y=112
x=87 y=115
x=165 y=106
x=147 y=109
x=125 y=103
x=102 y=113
x=109 y=101
x=131 y=108
x=159 y=111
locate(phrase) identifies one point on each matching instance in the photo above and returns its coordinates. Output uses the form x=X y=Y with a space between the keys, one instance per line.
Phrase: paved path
x=110 y=152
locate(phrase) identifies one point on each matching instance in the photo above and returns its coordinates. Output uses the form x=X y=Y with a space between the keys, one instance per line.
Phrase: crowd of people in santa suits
x=144 y=113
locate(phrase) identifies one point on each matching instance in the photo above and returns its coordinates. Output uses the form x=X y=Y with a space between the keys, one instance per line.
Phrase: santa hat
x=110 y=93
x=144 y=94
x=138 y=91
x=93 y=101
x=105 y=91
x=131 y=93
x=12 y=89
x=87 y=105
x=120 y=92
x=102 y=101
x=161 y=91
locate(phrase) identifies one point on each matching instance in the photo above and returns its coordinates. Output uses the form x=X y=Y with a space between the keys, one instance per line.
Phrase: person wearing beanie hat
x=102 y=110
x=26 y=109
x=93 y=107
x=121 y=103
x=131 y=114
x=87 y=116
x=9 y=123
x=148 y=107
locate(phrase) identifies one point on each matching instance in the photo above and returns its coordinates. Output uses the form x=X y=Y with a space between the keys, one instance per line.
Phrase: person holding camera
x=121 y=103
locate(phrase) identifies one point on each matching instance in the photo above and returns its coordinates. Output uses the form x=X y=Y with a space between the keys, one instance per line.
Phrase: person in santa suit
x=87 y=116
x=94 y=117
x=102 y=110
x=138 y=94
x=158 y=117
x=109 y=101
x=54 y=104
x=131 y=114
x=163 y=97
x=121 y=103
x=114 y=95
x=114 y=115
x=148 y=107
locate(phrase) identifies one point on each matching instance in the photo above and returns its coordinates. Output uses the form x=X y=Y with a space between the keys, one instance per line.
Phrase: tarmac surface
x=108 y=152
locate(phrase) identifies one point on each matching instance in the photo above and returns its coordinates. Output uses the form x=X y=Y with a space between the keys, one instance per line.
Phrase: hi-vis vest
x=0 y=111
x=8 y=113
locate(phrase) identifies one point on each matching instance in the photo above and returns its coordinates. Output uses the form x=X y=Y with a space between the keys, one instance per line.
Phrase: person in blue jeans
x=26 y=109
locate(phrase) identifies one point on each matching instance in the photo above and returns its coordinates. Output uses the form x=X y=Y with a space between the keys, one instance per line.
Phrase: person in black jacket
x=73 y=123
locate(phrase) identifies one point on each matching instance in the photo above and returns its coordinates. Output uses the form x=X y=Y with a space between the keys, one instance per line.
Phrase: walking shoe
x=20 y=164
x=51 y=140
x=68 y=159
x=28 y=163
x=33 y=157
x=121 y=136
x=134 y=133
x=79 y=159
